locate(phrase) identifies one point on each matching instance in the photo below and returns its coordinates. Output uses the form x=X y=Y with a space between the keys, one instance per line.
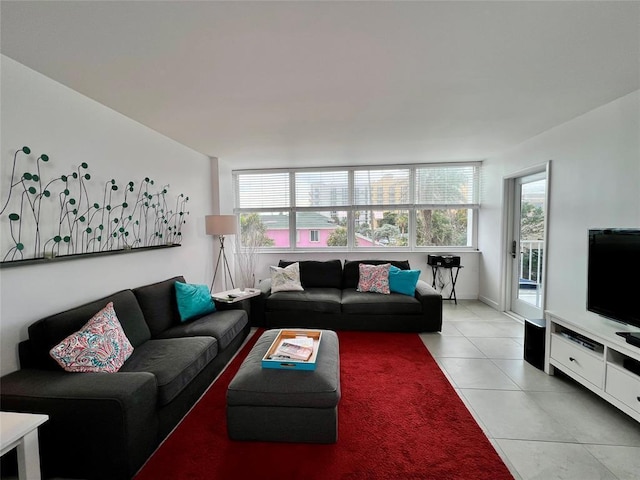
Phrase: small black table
x=454 y=279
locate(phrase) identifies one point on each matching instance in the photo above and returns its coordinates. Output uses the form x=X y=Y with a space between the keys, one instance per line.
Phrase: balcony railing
x=531 y=262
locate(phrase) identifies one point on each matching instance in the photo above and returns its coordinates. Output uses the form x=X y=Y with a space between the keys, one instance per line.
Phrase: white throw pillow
x=286 y=279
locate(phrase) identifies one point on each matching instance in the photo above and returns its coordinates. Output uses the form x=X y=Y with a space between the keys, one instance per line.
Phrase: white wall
x=71 y=128
x=595 y=182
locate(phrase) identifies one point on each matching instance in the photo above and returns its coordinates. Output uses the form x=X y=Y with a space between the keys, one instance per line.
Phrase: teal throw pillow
x=403 y=281
x=193 y=300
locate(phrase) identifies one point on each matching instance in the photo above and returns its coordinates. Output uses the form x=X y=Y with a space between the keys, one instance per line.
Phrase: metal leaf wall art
x=44 y=219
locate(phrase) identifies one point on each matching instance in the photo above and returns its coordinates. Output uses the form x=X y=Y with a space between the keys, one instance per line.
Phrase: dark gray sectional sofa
x=330 y=301
x=106 y=425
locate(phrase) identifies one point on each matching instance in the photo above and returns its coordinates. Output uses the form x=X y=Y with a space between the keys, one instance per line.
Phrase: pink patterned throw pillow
x=374 y=278
x=100 y=346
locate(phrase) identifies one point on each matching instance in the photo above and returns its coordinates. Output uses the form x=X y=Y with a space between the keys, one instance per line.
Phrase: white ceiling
x=335 y=82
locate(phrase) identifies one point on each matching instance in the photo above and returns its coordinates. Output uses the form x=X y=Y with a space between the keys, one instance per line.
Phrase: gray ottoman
x=285 y=405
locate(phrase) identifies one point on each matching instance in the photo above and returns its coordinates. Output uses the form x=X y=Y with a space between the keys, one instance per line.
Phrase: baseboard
x=515 y=316
x=488 y=301
x=460 y=295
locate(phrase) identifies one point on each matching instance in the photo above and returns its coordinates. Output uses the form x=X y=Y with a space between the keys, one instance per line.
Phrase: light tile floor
x=544 y=427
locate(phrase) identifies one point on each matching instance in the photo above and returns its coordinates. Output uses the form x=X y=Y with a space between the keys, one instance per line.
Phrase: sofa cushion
x=351 y=273
x=48 y=332
x=321 y=274
x=223 y=325
x=99 y=346
x=354 y=302
x=194 y=300
x=175 y=362
x=319 y=300
x=158 y=304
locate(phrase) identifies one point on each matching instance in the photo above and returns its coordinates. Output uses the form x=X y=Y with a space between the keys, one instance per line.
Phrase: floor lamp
x=221 y=225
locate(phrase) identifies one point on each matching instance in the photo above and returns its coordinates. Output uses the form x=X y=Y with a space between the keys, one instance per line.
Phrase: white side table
x=21 y=430
x=235 y=295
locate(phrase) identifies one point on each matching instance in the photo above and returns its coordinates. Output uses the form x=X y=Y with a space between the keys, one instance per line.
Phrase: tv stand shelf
x=590 y=349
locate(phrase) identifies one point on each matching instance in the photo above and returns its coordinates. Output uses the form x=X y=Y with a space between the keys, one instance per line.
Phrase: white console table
x=598 y=366
x=21 y=430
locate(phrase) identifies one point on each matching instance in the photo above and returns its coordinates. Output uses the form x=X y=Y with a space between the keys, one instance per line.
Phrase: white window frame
x=411 y=206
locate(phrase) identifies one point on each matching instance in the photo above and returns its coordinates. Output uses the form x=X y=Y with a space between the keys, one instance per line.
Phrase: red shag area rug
x=398 y=418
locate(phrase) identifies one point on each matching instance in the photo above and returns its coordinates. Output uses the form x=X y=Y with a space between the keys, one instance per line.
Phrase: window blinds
x=263 y=190
x=381 y=186
x=447 y=186
x=421 y=186
x=322 y=189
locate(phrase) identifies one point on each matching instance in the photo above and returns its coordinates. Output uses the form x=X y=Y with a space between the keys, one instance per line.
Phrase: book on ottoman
x=293 y=349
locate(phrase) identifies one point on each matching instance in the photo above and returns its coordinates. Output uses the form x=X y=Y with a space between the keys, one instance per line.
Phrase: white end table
x=21 y=430
x=235 y=295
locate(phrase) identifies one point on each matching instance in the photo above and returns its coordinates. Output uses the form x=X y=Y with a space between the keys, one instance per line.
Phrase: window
x=350 y=208
x=265 y=229
x=445 y=197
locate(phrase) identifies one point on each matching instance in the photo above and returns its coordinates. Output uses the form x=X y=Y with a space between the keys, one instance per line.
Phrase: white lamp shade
x=221 y=224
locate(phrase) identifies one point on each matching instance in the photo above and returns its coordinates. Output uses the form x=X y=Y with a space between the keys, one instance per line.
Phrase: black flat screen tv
x=613 y=284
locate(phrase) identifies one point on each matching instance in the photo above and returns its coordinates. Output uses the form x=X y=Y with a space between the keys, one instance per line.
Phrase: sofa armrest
x=258 y=304
x=431 y=301
x=265 y=287
x=423 y=289
x=112 y=415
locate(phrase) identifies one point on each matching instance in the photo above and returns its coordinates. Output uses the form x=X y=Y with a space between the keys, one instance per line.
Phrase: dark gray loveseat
x=330 y=301
x=105 y=425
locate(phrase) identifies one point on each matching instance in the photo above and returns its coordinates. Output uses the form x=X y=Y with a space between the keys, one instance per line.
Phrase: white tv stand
x=597 y=362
